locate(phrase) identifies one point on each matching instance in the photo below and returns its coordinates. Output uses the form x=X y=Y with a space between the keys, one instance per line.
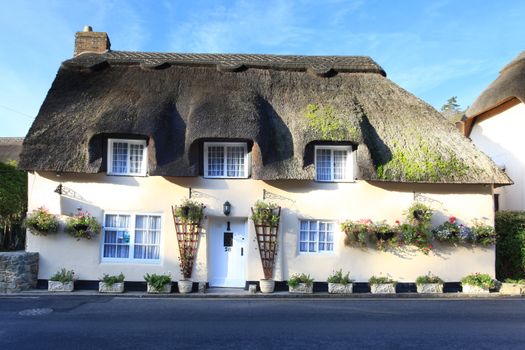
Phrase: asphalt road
x=94 y=322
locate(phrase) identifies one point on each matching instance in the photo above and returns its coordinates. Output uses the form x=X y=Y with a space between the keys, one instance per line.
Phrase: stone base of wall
x=18 y=271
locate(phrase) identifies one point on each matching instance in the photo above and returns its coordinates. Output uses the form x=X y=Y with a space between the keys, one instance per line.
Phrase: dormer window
x=127 y=157
x=225 y=160
x=334 y=163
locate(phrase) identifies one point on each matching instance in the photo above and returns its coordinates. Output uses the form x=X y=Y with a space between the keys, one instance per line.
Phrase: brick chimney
x=90 y=41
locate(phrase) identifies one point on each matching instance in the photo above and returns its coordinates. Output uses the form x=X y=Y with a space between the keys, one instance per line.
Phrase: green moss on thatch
x=324 y=120
x=421 y=165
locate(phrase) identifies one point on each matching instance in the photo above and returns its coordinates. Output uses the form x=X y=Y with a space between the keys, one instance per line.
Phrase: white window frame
x=247 y=159
x=128 y=160
x=130 y=259
x=335 y=232
x=349 y=176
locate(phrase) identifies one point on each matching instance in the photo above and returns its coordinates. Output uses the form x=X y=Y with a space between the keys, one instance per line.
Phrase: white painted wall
x=300 y=199
x=501 y=138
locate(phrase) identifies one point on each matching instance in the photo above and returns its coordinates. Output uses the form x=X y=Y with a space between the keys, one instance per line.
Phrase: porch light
x=226 y=208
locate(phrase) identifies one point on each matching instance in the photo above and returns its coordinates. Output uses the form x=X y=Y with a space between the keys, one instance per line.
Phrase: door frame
x=244 y=222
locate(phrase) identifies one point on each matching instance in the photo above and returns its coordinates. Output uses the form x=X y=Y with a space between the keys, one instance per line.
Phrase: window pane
x=312 y=239
x=235 y=161
x=340 y=165
x=303 y=247
x=147 y=237
x=116 y=236
x=323 y=164
x=120 y=156
x=215 y=161
x=136 y=158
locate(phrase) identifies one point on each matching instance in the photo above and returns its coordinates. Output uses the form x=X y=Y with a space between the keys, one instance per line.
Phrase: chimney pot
x=90 y=41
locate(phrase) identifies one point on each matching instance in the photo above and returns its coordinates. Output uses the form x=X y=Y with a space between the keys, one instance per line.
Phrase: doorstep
x=241 y=293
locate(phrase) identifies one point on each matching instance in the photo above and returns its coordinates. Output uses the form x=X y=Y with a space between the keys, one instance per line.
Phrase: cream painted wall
x=501 y=137
x=300 y=200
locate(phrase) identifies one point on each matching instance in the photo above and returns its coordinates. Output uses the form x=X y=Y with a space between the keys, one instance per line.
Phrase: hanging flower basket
x=187 y=218
x=266 y=217
x=41 y=222
x=83 y=225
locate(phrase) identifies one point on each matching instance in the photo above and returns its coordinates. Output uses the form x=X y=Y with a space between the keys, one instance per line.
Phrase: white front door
x=226 y=252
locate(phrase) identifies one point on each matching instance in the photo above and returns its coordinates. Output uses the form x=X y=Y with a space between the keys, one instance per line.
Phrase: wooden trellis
x=267 y=241
x=188 y=234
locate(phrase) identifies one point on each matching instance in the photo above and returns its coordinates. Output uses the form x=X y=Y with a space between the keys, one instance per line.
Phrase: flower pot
x=418 y=214
x=267 y=286
x=339 y=288
x=384 y=236
x=166 y=289
x=185 y=286
x=470 y=289
x=56 y=286
x=81 y=227
x=301 y=288
x=113 y=288
x=512 y=289
x=383 y=288
x=431 y=288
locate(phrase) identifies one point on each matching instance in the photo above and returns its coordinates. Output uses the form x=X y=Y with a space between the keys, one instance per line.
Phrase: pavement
x=242 y=293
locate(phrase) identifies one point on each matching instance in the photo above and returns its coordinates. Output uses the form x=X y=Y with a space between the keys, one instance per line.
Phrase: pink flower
x=397 y=222
x=452 y=219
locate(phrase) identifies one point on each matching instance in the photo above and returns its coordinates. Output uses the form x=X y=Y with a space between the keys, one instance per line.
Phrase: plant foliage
x=190 y=211
x=265 y=213
x=112 y=279
x=338 y=277
x=41 y=222
x=380 y=280
x=63 y=276
x=428 y=279
x=323 y=120
x=295 y=279
x=510 y=245
x=157 y=281
x=82 y=225
x=13 y=205
x=357 y=232
x=481 y=280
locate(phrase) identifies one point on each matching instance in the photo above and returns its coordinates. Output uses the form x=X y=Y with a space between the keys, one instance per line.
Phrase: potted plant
x=477 y=283
x=187 y=218
x=483 y=234
x=429 y=284
x=41 y=222
x=158 y=284
x=301 y=284
x=385 y=235
x=513 y=287
x=266 y=217
x=382 y=285
x=82 y=225
x=416 y=228
x=419 y=213
x=339 y=283
x=61 y=281
x=452 y=232
x=111 y=284
x=357 y=232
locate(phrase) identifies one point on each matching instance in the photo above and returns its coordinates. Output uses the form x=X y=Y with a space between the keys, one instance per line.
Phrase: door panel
x=227 y=252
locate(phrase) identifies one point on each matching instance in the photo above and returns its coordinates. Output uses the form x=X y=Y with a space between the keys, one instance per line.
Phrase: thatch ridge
x=510 y=83
x=10 y=148
x=178 y=106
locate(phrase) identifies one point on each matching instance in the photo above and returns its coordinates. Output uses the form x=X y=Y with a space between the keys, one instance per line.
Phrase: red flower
x=397 y=222
x=452 y=219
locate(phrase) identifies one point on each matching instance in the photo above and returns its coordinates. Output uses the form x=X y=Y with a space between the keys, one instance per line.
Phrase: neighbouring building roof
x=178 y=100
x=509 y=84
x=10 y=148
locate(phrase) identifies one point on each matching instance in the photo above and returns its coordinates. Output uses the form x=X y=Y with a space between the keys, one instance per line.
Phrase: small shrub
x=41 y=222
x=510 y=245
x=428 y=279
x=483 y=234
x=380 y=280
x=514 y=281
x=157 y=281
x=111 y=280
x=265 y=213
x=190 y=211
x=295 y=279
x=83 y=225
x=63 y=276
x=357 y=232
x=338 y=277
x=481 y=280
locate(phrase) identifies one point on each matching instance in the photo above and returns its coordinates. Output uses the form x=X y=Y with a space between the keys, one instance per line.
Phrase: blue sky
x=434 y=49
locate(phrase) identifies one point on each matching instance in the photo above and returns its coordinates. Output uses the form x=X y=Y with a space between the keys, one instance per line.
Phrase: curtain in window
x=340 y=158
x=136 y=158
x=120 y=157
x=116 y=236
x=215 y=161
x=323 y=165
x=235 y=161
x=147 y=237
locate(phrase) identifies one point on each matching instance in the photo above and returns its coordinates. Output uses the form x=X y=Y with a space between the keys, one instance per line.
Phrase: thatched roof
x=178 y=100
x=10 y=148
x=509 y=84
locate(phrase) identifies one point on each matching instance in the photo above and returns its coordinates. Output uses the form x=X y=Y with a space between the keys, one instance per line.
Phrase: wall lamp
x=226 y=208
